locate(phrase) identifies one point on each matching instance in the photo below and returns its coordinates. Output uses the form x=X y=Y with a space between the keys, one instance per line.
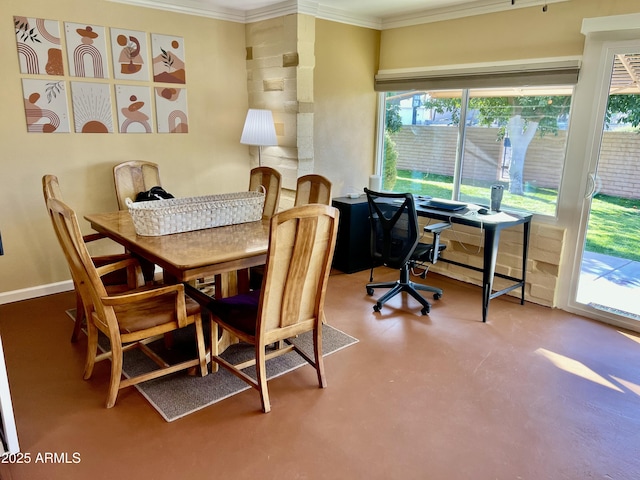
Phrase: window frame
x=457 y=180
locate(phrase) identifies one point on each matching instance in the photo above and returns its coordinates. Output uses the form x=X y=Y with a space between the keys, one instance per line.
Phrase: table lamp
x=259 y=130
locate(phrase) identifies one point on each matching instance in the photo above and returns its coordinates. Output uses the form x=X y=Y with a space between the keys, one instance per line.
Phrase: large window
x=456 y=144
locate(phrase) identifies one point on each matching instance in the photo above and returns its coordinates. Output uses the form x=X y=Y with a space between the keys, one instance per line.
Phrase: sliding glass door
x=609 y=270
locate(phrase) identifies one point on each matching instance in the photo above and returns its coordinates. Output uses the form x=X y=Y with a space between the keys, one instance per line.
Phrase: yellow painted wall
x=510 y=35
x=209 y=159
x=345 y=104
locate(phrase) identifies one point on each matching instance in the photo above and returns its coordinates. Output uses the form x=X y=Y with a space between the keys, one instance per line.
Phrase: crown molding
x=189 y=7
x=318 y=10
x=343 y=16
x=480 y=7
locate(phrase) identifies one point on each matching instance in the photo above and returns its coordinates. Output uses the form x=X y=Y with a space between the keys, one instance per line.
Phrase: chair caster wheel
x=437 y=296
x=369 y=291
x=425 y=310
x=377 y=307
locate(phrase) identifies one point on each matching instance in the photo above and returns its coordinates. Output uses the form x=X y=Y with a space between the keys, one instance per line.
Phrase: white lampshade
x=258 y=128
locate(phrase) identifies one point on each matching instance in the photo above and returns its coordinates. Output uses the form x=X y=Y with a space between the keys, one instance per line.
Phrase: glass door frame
x=590 y=103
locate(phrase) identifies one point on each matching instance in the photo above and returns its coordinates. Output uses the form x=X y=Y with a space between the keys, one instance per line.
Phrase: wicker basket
x=175 y=215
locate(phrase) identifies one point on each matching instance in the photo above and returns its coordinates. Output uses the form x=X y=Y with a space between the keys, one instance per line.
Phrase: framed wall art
x=38 y=42
x=171 y=110
x=168 y=59
x=91 y=107
x=45 y=105
x=86 y=50
x=134 y=109
x=129 y=50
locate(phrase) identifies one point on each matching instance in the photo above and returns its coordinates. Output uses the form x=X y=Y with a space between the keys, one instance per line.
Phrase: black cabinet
x=353 y=247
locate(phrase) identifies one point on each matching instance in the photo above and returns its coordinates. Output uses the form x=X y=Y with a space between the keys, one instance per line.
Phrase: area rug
x=177 y=395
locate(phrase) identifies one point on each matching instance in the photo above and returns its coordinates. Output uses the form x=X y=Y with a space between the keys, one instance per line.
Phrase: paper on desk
x=491 y=217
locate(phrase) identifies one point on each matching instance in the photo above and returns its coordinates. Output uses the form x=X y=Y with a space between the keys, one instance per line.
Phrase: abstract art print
x=91 y=107
x=134 y=109
x=168 y=59
x=45 y=106
x=171 y=110
x=129 y=50
x=38 y=42
x=86 y=50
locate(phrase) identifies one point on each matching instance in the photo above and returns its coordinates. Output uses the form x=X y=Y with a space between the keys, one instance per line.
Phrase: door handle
x=594 y=183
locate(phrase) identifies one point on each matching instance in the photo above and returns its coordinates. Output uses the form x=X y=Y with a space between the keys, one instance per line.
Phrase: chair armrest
x=148 y=295
x=437 y=227
x=143 y=295
x=134 y=271
x=92 y=237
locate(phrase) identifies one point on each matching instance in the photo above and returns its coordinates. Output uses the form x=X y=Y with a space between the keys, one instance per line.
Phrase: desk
x=190 y=255
x=491 y=225
x=355 y=242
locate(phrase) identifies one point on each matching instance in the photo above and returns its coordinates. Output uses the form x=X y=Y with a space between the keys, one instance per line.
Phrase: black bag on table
x=156 y=193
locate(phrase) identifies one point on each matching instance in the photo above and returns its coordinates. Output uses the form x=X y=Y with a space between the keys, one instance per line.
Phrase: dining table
x=192 y=255
x=225 y=252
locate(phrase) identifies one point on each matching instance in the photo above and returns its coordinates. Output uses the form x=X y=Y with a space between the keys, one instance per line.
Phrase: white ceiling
x=378 y=14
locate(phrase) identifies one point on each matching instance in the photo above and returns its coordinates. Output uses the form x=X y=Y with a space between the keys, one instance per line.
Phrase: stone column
x=280 y=68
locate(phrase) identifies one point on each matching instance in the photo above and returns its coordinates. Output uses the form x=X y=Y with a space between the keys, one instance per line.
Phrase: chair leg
x=261 y=377
x=427 y=288
x=317 y=351
x=423 y=301
x=397 y=288
x=92 y=350
x=116 y=372
x=80 y=317
x=202 y=351
x=404 y=284
x=215 y=350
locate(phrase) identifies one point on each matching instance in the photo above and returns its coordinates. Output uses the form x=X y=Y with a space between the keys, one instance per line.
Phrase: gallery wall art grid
x=97 y=60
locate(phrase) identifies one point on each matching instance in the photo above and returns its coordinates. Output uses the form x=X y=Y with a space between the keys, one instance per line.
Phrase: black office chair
x=395 y=243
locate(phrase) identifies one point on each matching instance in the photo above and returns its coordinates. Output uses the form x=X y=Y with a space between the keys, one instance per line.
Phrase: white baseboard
x=33 y=292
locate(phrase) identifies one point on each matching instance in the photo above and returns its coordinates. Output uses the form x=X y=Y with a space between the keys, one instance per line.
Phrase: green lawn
x=614 y=227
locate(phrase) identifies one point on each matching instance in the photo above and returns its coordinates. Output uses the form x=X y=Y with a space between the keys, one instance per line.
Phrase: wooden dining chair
x=291 y=301
x=129 y=319
x=244 y=279
x=117 y=281
x=271 y=180
x=313 y=188
x=133 y=177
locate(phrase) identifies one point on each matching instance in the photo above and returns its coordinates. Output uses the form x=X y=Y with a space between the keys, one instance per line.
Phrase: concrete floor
x=534 y=394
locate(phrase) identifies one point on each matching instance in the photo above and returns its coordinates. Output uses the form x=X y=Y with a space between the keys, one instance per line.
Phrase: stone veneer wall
x=280 y=63
x=464 y=244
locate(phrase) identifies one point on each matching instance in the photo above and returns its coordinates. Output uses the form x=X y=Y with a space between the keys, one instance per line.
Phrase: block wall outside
x=432 y=149
x=466 y=245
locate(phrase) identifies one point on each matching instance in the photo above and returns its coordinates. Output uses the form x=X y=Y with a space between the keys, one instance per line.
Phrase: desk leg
x=525 y=251
x=491 y=241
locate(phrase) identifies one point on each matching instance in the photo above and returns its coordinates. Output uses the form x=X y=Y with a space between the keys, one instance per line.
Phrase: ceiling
x=378 y=14
x=626 y=74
